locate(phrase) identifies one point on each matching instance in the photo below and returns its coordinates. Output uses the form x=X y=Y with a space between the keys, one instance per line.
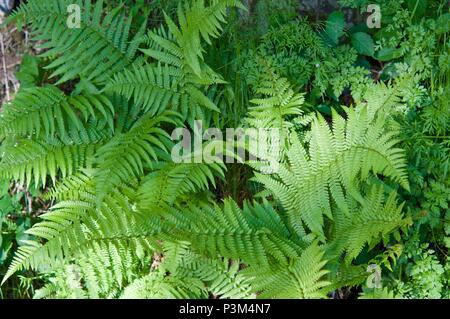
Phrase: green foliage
x=106 y=45
x=362 y=174
x=302 y=279
x=278 y=107
x=334 y=28
x=363 y=43
x=337 y=160
x=16 y=205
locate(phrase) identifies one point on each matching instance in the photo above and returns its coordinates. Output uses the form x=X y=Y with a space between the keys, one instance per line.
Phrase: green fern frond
x=75 y=186
x=66 y=284
x=253 y=235
x=158 y=88
x=29 y=160
x=222 y=278
x=345 y=275
x=107 y=267
x=125 y=155
x=376 y=217
x=102 y=270
x=381 y=98
x=277 y=104
x=197 y=22
x=304 y=278
x=74 y=226
x=168 y=181
x=101 y=46
x=46 y=111
x=158 y=286
x=338 y=158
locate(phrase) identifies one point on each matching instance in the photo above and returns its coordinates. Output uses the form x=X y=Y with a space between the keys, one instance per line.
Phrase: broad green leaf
x=387 y=54
x=335 y=26
x=363 y=43
x=6 y=205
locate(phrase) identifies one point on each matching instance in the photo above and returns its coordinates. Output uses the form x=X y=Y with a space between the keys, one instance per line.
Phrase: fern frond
x=197 y=22
x=277 y=104
x=381 y=97
x=252 y=235
x=376 y=217
x=158 y=286
x=29 y=160
x=167 y=182
x=125 y=155
x=338 y=158
x=46 y=111
x=157 y=88
x=75 y=186
x=345 y=275
x=102 y=270
x=99 y=48
x=66 y=284
x=222 y=277
x=303 y=278
x=107 y=267
x=72 y=227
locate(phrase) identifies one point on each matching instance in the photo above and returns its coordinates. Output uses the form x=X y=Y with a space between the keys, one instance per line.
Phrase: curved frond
x=47 y=111
x=253 y=235
x=99 y=47
x=304 y=278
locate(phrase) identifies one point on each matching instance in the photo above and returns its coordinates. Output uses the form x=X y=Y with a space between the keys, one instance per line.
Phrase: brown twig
x=5 y=73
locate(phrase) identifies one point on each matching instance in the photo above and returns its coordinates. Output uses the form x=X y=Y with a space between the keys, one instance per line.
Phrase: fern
x=66 y=285
x=99 y=48
x=74 y=225
x=197 y=22
x=168 y=182
x=47 y=111
x=125 y=221
x=279 y=102
x=176 y=85
x=29 y=160
x=376 y=217
x=337 y=160
x=221 y=277
x=304 y=278
x=157 y=286
x=124 y=156
x=158 y=88
x=253 y=235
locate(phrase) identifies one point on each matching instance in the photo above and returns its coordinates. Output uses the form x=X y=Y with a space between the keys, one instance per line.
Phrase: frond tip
x=303 y=278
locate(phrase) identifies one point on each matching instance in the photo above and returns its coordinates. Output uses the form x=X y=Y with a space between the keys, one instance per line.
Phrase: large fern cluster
x=127 y=221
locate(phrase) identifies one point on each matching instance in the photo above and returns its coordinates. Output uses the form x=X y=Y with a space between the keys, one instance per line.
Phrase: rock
x=322 y=6
x=6 y=6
